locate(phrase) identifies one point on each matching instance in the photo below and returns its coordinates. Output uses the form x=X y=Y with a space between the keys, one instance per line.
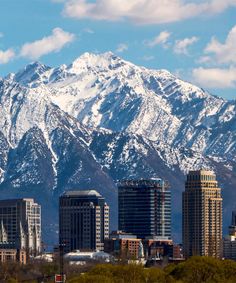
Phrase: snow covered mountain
x=101 y=119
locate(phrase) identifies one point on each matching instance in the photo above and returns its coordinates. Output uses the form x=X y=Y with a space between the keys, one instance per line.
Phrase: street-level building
x=158 y=248
x=83 y=221
x=202 y=215
x=145 y=208
x=8 y=255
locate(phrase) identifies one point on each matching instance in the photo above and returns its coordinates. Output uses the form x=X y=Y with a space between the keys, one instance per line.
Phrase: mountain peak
x=30 y=73
x=103 y=61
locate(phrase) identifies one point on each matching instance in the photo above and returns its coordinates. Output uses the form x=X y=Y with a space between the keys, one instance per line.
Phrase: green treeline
x=194 y=270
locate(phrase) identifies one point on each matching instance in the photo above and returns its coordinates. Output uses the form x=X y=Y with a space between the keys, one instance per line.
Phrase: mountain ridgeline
x=102 y=119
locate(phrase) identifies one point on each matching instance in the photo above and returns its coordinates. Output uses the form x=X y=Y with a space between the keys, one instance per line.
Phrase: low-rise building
x=13 y=255
x=123 y=244
x=158 y=248
x=80 y=258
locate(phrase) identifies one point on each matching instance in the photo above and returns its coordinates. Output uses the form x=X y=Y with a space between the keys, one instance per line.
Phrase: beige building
x=202 y=215
x=13 y=255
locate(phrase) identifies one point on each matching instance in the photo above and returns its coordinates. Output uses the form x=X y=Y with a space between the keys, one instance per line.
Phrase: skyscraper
x=83 y=220
x=202 y=215
x=20 y=225
x=145 y=208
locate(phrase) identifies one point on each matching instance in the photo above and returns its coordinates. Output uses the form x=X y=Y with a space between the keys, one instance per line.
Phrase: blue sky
x=194 y=39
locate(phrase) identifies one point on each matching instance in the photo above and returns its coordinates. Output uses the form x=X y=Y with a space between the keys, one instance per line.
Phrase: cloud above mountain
x=223 y=53
x=52 y=43
x=160 y=39
x=181 y=46
x=6 y=56
x=215 y=77
x=122 y=47
x=220 y=59
x=143 y=11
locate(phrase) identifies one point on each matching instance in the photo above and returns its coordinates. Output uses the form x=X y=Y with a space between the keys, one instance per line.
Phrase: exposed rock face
x=101 y=119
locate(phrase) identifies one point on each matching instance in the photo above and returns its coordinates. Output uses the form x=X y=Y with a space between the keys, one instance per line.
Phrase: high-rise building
x=202 y=215
x=229 y=243
x=145 y=208
x=20 y=225
x=83 y=221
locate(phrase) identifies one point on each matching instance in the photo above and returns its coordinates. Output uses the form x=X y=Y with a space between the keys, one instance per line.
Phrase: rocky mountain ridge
x=101 y=119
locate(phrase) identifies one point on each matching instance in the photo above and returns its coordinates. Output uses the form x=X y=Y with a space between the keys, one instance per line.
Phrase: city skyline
x=118 y=141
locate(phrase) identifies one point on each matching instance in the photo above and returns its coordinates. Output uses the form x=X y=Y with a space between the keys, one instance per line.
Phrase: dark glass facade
x=145 y=208
x=83 y=221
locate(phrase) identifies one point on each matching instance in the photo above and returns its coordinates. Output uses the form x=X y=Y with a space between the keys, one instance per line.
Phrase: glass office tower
x=145 y=208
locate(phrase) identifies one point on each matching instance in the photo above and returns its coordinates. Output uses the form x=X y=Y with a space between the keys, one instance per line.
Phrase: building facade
x=202 y=215
x=20 y=225
x=145 y=208
x=13 y=255
x=123 y=245
x=229 y=243
x=83 y=221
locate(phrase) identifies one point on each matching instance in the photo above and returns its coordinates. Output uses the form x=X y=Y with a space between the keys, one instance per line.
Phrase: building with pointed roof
x=20 y=226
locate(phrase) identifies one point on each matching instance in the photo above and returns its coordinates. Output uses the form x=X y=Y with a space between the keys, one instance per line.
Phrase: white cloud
x=58 y=1
x=144 y=11
x=1 y=34
x=121 y=47
x=223 y=53
x=203 y=60
x=6 y=56
x=148 y=58
x=215 y=77
x=53 y=43
x=181 y=46
x=160 y=39
x=88 y=30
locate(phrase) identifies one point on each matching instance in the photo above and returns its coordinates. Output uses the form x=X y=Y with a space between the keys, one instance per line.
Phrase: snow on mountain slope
x=106 y=91
x=101 y=119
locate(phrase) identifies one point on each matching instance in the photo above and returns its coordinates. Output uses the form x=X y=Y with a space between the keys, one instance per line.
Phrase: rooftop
x=82 y=193
x=149 y=183
x=202 y=172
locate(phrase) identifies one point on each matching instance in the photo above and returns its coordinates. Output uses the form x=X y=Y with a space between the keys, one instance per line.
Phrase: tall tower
x=202 y=215
x=83 y=220
x=145 y=208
